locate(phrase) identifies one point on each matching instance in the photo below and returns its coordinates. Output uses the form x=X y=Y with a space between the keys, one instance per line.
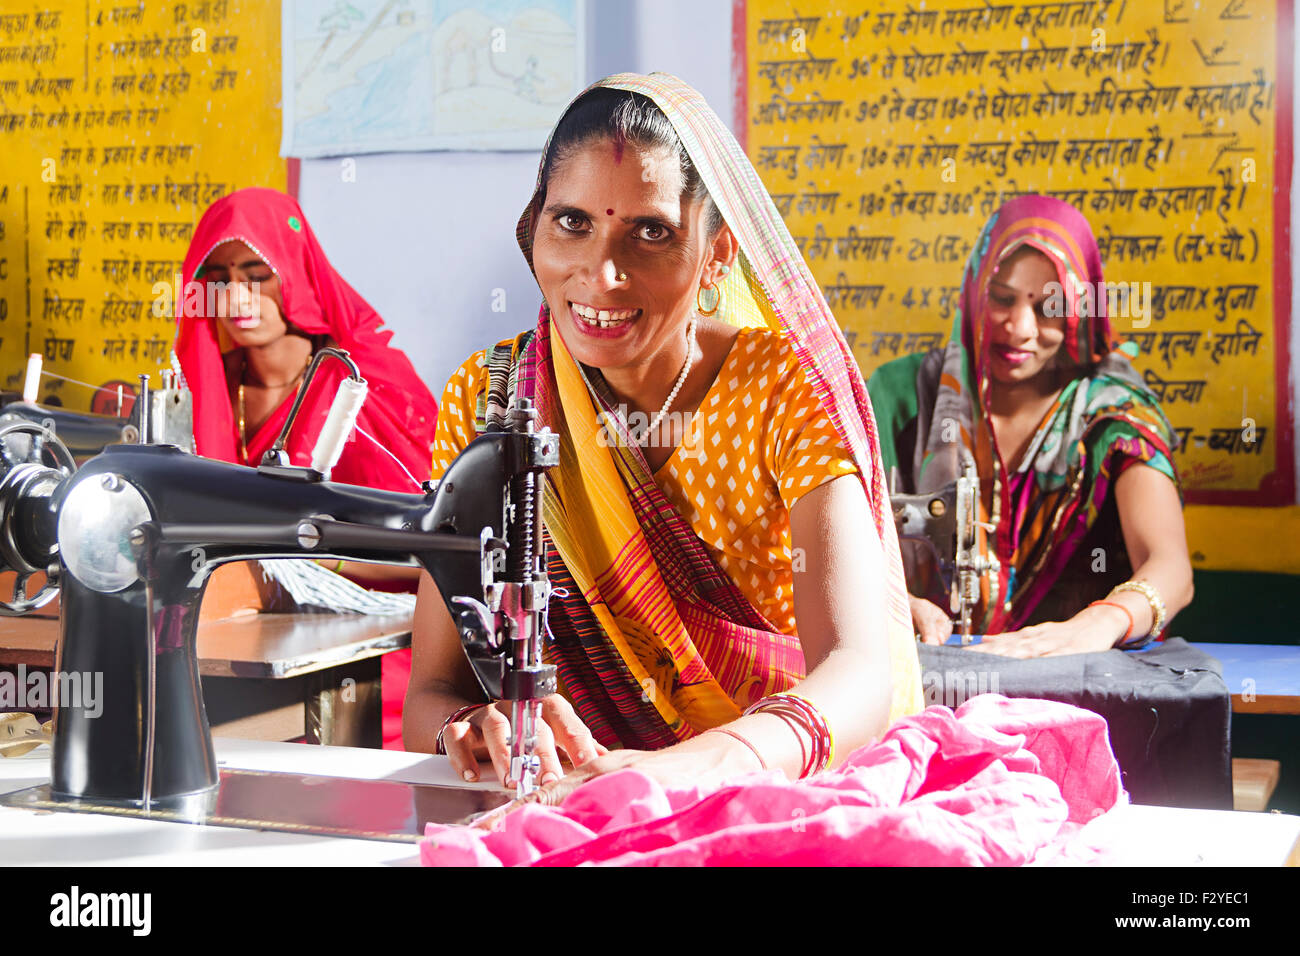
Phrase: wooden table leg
x=344 y=705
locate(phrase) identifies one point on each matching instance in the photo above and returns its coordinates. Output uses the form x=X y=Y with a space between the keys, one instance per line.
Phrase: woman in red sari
x=258 y=299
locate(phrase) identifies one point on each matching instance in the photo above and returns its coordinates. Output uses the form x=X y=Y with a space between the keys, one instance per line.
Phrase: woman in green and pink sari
x=1074 y=456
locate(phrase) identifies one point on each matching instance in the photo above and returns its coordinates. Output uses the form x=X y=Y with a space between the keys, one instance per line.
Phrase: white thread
x=74 y=381
x=555 y=592
x=338 y=425
x=361 y=431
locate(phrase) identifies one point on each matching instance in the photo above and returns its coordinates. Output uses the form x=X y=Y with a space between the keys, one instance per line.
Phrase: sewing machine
x=131 y=537
x=945 y=525
x=170 y=410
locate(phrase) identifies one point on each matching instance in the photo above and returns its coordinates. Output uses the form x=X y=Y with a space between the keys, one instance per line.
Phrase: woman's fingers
x=549 y=768
x=553 y=794
x=944 y=626
x=460 y=740
x=571 y=734
x=931 y=623
x=935 y=627
x=495 y=728
x=489 y=727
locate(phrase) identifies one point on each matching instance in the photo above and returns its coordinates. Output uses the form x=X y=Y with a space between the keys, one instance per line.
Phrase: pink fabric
x=1000 y=782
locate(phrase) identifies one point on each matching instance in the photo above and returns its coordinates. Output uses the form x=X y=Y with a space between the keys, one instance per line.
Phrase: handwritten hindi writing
x=119 y=125
x=889 y=132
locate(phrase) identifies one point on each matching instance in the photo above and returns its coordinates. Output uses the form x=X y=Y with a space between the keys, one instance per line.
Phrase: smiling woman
x=1075 y=457
x=728 y=567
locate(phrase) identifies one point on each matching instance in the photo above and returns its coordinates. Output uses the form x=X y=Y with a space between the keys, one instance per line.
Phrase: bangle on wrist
x=1148 y=591
x=801 y=713
x=731 y=733
x=1127 y=613
x=457 y=715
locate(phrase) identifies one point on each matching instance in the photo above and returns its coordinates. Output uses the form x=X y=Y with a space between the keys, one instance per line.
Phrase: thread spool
x=338 y=425
x=32 y=383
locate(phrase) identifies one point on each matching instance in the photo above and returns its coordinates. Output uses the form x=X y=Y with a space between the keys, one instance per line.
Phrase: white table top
x=1143 y=836
x=29 y=837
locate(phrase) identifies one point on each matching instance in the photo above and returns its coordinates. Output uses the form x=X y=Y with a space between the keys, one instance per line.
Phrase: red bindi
x=609 y=212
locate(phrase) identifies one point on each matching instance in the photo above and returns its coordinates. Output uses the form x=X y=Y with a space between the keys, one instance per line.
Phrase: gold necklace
x=243 y=369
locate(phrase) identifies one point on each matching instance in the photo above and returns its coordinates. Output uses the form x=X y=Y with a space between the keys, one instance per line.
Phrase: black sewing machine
x=944 y=524
x=84 y=434
x=130 y=540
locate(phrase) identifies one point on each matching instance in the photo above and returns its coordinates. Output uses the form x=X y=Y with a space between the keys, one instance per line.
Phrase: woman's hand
x=707 y=760
x=1092 y=629
x=931 y=622
x=487 y=730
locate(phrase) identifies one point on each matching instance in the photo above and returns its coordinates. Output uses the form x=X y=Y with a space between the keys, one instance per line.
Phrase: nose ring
x=621 y=277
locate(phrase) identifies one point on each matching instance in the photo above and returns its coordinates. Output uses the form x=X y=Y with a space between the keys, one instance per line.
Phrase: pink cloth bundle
x=999 y=782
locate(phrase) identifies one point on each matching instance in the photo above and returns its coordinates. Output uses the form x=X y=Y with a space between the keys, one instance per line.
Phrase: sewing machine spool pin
x=276 y=456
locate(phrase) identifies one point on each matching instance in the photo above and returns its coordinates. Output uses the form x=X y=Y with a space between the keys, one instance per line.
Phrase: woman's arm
x=441 y=678
x=841 y=612
x=1151 y=517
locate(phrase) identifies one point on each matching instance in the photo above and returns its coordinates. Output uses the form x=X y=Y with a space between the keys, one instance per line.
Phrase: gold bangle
x=1148 y=591
x=338 y=568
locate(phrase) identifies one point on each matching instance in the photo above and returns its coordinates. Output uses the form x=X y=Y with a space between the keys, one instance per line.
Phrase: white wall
x=427 y=238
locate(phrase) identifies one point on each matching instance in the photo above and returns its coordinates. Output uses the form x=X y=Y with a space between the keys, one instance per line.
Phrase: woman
x=698 y=583
x=259 y=298
x=1074 y=456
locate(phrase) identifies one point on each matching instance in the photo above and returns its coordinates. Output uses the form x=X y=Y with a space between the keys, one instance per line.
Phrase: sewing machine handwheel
x=45 y=444
x=43 y=449
x=22 y=604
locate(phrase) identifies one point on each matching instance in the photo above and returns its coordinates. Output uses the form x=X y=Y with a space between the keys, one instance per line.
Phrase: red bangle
x=1127 y=613
x=731 y=733
x=456 y=715
x=798 y=711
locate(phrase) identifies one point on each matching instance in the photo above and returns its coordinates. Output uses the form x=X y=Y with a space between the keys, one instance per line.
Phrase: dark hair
x=626 y=117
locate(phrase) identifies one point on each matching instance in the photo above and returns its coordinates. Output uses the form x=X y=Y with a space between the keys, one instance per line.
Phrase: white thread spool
x=338 y=425
x=32 y=383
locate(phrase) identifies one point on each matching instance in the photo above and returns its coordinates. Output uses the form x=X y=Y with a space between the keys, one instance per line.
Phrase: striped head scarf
x=1044 y=508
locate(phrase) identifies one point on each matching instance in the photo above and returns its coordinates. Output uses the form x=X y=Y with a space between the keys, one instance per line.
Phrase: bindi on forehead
x=609 y=212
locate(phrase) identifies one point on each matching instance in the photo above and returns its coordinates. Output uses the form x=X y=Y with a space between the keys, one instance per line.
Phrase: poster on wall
x=119 y=125
x=887 y=137
x=372 y=76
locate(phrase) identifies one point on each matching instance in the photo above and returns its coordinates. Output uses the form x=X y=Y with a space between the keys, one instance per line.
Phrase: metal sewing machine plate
x=385 y=810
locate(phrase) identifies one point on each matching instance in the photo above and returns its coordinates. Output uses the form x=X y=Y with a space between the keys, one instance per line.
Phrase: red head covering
x=399 y=412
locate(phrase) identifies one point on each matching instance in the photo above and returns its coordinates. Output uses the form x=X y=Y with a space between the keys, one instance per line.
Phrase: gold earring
x=621 y=277
x=717 y=302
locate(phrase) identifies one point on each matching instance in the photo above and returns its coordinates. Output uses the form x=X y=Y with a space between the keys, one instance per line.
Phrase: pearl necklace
x=677 y=387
